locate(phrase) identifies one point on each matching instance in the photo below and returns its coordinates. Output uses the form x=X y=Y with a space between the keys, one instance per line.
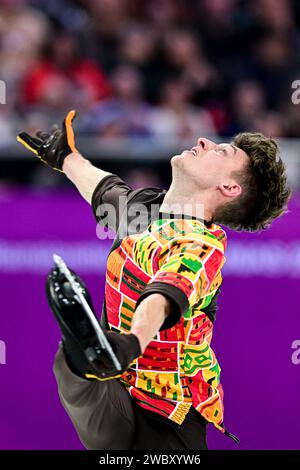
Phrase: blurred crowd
x=144 y=68
x=163 y=70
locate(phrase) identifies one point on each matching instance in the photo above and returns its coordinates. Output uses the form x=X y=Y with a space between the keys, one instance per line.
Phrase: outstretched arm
x=83 y=174
x=58 y=150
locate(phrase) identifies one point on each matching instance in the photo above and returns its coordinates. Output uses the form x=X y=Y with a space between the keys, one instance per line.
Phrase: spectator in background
x=273 y=63
x=107 y=20
x=176 y=118
x=222 y=26
x=138 y=46
x=23 y=31
x=247 y=101
x=271 y=123
x=64 y=78
x=272 y=16
x=124 y=114
x=166 y=14
x=185 y=57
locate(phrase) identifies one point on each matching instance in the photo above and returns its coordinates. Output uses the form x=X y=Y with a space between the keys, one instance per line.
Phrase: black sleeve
x=179 y=301
x=211 y=309
x=111 y=191
x=124 y=210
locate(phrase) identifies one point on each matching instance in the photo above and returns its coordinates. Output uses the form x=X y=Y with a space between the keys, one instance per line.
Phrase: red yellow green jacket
x=181 y=257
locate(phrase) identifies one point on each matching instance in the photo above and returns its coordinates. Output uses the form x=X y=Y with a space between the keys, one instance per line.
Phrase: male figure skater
x=162 y=280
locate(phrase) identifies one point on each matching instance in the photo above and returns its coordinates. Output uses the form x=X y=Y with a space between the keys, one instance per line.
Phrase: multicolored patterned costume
x=182 y=258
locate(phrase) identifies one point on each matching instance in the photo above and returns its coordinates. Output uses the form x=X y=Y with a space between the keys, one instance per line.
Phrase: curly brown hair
x=265 y=193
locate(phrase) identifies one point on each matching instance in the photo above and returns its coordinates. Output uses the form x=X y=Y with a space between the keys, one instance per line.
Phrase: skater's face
x=211 y=165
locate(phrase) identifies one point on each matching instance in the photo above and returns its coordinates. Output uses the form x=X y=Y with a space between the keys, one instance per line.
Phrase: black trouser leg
x=101 y=411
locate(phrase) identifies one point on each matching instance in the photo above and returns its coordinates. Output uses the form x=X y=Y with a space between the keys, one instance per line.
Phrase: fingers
x=42 y=135
x=54 y=128
x=69 y=129
x=56 y=133
x=30 y=142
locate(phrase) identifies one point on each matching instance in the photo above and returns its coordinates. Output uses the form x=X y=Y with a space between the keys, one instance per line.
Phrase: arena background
x=147 y=78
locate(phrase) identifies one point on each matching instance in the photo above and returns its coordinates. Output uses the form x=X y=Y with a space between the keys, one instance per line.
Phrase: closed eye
x=226 y=148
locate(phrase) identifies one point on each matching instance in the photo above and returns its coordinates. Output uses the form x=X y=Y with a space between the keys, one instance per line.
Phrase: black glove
x=83 y=353
x=126 y=347
x=52 y=148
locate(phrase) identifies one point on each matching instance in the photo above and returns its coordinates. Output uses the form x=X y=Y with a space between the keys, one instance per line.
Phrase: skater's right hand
x=52 y=148
x=126 y=347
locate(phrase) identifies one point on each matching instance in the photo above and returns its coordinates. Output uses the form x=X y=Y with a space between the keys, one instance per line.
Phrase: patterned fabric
x=178 y=368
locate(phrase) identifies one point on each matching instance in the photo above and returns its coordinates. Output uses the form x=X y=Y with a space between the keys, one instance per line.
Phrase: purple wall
x=257 y=322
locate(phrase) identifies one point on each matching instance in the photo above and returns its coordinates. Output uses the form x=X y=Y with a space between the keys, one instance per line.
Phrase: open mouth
x=193 y=150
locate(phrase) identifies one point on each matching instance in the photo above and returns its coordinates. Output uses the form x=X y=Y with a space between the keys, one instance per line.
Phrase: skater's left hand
x=54 y=147
x=126 y=347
